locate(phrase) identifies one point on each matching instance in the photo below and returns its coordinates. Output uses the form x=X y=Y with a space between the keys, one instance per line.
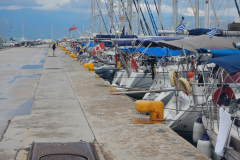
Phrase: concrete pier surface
x=51 y=99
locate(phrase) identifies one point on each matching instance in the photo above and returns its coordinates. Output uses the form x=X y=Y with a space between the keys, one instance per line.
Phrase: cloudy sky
x=64 y=13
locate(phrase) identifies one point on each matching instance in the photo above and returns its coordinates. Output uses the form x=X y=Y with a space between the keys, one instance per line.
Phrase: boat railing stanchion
x=163 y=77
x=176 y=102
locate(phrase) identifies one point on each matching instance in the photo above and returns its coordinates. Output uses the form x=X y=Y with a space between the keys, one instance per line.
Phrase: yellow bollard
x=68 y=52
x=156 y=109
x=72 y=55
x=91 y=67
x=96 y=76
x=80 y=63
x=111 y=88
x=85 y=65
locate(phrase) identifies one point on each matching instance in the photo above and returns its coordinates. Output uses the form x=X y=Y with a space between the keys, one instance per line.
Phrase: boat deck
x=68 y=106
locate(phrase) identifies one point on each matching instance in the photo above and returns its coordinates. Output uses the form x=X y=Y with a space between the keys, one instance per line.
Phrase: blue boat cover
x=125 y=42
x=200 y=31
x=145 y=41
x=221 y=52
x=158 y=52
x=116 y=36
x=154 y=40
x=229 y=63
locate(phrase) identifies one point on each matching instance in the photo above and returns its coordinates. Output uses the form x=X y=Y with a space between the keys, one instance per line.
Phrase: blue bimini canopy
x=158 y=52
x=221 y=52
x=229 y=63
x=90 y=44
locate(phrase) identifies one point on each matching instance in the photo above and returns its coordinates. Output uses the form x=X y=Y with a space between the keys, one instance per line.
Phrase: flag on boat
x=93 y=52
x=97 y=47
x=181 y=27
x=212 y=32
x=72 y=28
x=100 y=46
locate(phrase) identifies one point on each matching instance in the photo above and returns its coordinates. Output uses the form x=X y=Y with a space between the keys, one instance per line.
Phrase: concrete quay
x=67 y=106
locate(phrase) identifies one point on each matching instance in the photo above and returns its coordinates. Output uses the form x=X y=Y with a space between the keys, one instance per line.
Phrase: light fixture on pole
x=52 y=29
x=23 y=29
x=83 y=26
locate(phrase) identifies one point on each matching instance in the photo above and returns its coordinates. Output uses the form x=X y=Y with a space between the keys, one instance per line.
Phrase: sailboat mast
x=111 y=11
x=130 y=17
x=109 y=16
x=119 y=9
x=159 y=15
x=207 y=14
x=175 y=14
x=124 y=17
x=94 y=23
x=100 y=17
x=215 y=14
x=139 y=29
x=197 y=14
x=92 y=17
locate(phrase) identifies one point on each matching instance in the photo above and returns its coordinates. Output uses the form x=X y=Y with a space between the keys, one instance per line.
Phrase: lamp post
x=23 y=28
x=11 y=29
x=83 y=26
x=52 y=29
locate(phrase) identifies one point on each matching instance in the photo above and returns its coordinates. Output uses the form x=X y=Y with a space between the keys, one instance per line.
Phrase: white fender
x=198 y=130
x=182 y=82
x=171 y=78
x=204 y=145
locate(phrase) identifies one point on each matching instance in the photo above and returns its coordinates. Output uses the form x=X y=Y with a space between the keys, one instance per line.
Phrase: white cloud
x=11 y=7
x=52 y=2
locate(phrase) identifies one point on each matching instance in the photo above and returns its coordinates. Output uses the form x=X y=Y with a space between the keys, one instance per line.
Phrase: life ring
x=171 y=78
x=227 y=91
x=184 y=86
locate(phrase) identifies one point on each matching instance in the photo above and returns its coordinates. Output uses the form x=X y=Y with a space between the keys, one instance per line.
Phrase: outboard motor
x=151 y=61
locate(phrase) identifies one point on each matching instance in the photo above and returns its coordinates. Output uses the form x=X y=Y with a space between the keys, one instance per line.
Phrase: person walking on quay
x=54 y=47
